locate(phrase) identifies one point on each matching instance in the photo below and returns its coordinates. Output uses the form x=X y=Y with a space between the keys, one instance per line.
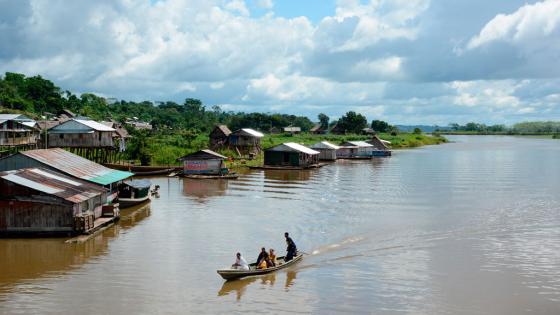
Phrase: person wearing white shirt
x=240 y=263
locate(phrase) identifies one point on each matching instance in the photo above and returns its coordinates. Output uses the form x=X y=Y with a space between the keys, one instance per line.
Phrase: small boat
x=231 y=274
x=225 y=176
x=134 y=192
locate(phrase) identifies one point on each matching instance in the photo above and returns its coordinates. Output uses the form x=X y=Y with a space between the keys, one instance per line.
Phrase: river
x=468 y=227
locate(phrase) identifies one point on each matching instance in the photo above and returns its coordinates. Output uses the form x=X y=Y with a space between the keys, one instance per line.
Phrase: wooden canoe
x=231 y=274
x=227 y=176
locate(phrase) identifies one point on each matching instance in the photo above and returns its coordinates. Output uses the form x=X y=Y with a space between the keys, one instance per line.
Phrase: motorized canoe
x=134 y=192
x=231 y=274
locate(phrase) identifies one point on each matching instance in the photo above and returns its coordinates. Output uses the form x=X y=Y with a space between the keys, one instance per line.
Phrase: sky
x=403 y=61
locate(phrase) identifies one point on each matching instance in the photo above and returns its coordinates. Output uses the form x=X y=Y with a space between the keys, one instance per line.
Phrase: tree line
x=530 y=127
x=41 y=97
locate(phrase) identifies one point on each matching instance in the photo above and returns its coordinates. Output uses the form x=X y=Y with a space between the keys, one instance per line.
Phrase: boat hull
x=232 y=274
x=130 y=202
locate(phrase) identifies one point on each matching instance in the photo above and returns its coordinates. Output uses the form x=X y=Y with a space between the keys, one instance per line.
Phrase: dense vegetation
x=182 y=128
x=523 y=128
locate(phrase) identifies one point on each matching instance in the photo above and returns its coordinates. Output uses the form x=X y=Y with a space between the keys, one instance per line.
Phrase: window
x=61 y=136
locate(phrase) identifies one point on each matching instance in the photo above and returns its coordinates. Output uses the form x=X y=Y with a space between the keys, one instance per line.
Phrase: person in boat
x=292 y=249
x=240 y=263
x=272 y=258
x=261 y=260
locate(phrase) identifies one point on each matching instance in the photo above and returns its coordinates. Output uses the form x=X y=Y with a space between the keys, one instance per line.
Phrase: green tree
x=323 y=120
x=352 y=122
x=380 y=126
x=417 y=131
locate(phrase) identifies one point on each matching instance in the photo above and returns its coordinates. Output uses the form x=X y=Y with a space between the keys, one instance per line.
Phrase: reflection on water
x=28 y=258
x=470 y=227
x=203 y=189
x=240 y=286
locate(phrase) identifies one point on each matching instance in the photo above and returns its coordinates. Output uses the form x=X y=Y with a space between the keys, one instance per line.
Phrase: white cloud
x=265 y=4
x=392 y=59
x=530 y=23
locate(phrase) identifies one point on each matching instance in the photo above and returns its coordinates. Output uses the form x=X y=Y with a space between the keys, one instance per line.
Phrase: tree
x=417 y=131
x=352 y=122
x=324 y=120
x=380 y=126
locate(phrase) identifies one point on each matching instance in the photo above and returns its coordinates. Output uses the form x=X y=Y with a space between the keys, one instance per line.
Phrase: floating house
x=381 y=146
x=80 y=133
x=292 y=129
x=18 y=131
x=67 y=163
x=327 y=150
x=245 y=141
x=204 y=162
x=355 y=149
x=291 y=155
x=38 y=200
x=219 y=137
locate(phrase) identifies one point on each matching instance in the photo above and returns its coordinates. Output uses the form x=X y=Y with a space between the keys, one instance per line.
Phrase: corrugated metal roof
x=225 y=130
x=252 y=132
x=205 y=151
x=53 y=183
x=292 y=146
x=359 y=143
x=76 y=166
x=79 y=125
x=325 y=145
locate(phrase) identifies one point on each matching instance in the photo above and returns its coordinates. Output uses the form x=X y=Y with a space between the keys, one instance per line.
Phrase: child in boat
x=262 y=265
x=240 y=263
x=261 y=260
x=272 y=258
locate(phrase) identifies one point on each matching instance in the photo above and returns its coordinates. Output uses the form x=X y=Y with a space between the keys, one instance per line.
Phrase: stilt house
x=18 y=131
x=245 y=141
x=219 y=137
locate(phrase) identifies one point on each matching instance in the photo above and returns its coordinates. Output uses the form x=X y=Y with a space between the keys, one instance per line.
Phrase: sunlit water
x=470 y=227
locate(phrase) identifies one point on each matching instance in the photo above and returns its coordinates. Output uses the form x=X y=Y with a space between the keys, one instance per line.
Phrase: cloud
x=529 y=24
x=414 y=61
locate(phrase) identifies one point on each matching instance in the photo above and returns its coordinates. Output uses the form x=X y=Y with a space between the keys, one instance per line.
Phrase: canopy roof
x=202 y=155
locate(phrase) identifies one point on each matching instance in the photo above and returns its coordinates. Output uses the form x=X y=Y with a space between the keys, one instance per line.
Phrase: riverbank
x=164 y=149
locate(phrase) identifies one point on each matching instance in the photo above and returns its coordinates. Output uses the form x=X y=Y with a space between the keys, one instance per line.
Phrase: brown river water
x=469 y=227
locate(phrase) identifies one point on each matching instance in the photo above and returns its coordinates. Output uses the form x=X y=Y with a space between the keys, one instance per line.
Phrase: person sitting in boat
x=240 y=263
x=292 y=249
x=272 y=258
x=261 y=260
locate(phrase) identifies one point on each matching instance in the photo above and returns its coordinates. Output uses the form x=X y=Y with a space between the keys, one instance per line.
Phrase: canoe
x=227 y=176
x=231 y=274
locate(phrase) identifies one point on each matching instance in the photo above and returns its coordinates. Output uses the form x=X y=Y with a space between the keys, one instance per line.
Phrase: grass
x=166 y=148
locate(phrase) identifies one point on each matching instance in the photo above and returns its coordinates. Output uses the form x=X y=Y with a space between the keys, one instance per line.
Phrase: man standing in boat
x=292 y=249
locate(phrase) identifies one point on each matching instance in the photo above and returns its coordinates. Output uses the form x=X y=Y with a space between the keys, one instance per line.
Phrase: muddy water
x=471 y=227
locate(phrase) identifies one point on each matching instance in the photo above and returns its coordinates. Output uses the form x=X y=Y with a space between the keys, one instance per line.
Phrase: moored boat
x=231 y=274
x=134 y=192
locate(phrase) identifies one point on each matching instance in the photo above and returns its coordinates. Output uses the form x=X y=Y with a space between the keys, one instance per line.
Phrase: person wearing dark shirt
x=292 y=249
x=263 y=255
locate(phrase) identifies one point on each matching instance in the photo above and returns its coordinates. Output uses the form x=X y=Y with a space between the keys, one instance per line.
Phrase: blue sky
x=403 y=61
x=314 y=10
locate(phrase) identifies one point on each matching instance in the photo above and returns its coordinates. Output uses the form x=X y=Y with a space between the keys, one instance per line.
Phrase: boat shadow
x=240 y=286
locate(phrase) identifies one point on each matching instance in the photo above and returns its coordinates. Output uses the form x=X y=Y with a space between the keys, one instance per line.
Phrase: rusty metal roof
x=53 y=183
x=77 y=166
